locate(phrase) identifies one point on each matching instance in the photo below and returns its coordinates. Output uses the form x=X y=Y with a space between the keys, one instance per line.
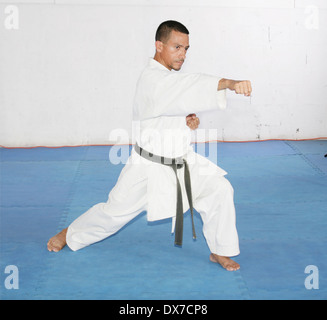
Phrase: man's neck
x=161 y=61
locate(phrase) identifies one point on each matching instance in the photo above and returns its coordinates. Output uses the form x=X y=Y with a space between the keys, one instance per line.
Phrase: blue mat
x=281 y=203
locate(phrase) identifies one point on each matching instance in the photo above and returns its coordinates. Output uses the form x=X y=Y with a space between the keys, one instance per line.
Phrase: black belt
x=175 y=163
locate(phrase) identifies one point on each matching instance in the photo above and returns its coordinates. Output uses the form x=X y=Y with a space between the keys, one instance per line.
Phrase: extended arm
x=239 y=86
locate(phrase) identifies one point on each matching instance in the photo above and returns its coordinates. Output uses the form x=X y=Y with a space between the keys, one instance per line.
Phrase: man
x=150 y=177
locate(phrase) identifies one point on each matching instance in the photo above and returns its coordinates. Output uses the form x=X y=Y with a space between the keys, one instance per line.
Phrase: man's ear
x=159 y=46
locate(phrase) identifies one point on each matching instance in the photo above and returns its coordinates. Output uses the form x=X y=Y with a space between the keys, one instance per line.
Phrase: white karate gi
x=163 y=99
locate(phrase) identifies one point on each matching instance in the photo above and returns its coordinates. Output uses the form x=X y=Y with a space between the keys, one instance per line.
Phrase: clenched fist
x=243 y=87
x=239 y=86
x=192 y=121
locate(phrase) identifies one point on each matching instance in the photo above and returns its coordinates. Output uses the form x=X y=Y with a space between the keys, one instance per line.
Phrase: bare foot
x=225 y=262
x=57 y=242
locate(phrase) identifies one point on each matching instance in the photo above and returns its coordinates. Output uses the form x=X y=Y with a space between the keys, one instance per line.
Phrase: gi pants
x=212 y=199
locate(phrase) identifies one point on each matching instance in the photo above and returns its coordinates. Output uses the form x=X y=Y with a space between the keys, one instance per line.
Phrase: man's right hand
x=192 y=121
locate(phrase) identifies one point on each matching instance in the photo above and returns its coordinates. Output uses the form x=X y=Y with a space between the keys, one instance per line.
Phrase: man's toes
x=52 y=246
x=233 y=267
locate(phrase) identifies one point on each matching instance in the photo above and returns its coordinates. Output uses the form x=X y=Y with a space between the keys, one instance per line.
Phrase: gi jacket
x=162 y=101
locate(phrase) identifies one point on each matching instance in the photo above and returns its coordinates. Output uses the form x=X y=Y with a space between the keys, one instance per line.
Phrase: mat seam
x=41 y=281
x=303 y=156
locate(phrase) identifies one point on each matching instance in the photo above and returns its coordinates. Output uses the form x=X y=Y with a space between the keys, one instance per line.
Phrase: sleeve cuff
x=221 y=99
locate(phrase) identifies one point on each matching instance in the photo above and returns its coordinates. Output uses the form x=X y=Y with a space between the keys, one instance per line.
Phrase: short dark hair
x=166 y=27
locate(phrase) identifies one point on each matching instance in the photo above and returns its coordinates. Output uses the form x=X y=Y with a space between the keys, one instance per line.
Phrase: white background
x=68 y=73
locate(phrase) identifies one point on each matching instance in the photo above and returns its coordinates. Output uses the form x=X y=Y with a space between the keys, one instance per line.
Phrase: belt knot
x=175 y=163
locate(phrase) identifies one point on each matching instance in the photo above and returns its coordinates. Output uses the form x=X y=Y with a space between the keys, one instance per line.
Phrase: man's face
x=173 y=51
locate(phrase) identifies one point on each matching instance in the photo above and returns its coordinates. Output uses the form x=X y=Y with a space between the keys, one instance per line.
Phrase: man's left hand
x=239 y=86
x=243 y=87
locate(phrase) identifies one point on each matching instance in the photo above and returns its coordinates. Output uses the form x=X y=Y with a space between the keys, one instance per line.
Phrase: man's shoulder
x=151 y=74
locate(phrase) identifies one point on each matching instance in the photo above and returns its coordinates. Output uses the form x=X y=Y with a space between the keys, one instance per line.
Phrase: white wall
x=68 y=72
